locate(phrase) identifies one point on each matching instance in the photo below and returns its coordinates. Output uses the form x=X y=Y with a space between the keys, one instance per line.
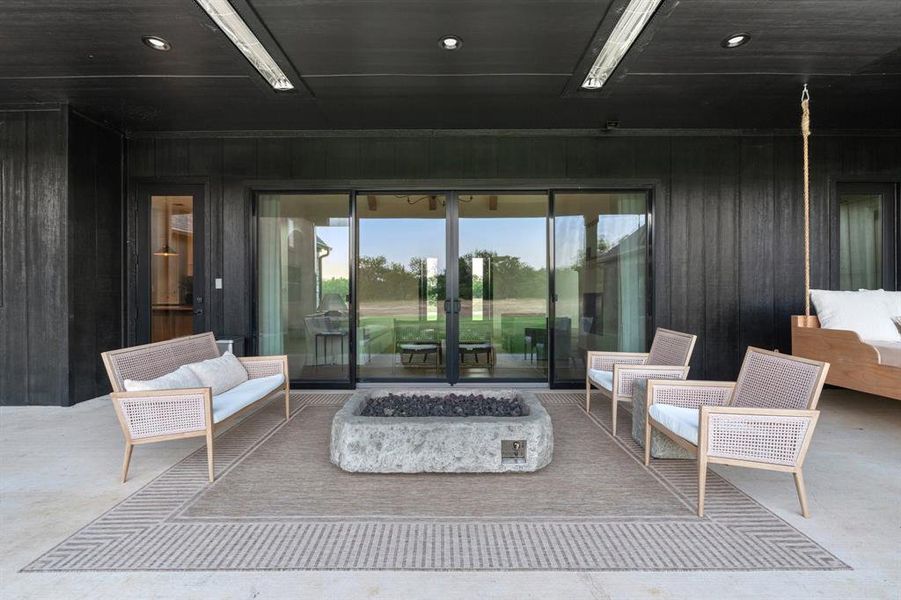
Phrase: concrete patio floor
x=59 y=468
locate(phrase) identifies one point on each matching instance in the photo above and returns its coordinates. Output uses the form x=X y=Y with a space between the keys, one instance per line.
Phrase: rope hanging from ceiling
x=805 y=134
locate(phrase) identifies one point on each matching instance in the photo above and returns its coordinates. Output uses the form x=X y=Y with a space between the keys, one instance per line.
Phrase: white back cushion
x=181 y=378
x=221 y=374
x=868 y=312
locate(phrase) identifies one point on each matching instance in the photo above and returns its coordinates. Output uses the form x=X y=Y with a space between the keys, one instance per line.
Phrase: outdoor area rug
x=278 y=503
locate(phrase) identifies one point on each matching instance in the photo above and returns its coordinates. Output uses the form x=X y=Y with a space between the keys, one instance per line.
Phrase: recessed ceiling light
x=450 y=42
x=232 y=25
x=735 y=40
x=156 y=42
x=634 y=17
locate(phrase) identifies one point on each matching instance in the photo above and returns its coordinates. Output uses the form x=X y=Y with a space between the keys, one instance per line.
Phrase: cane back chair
x=613 y=373
x=765 y=420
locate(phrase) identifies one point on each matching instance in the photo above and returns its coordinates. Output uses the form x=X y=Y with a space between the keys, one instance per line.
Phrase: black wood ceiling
x=366 y=64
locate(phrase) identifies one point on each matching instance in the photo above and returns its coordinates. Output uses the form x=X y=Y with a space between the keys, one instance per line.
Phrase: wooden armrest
x=264 y=366
x=605 y=360
x=177 y=392
x=689 y=394
x=624 y=376
x=757 y=411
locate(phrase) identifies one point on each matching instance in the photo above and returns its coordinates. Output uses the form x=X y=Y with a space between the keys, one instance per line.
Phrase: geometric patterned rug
x=162 y=526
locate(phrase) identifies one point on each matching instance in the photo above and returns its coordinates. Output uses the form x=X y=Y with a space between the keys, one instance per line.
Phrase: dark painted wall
x=33 y=284
x=728 y=213
x=95 y=251
x=60 y=272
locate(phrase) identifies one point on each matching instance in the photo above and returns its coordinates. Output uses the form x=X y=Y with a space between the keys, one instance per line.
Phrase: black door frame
x=450 y=282
x=253 y=258
x=648 y=190
x=548 y=240
x=143 y=304
x=446 y=187
x=891 y=227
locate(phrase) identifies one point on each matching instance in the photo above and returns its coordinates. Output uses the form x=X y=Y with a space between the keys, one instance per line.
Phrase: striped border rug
x=141 y=532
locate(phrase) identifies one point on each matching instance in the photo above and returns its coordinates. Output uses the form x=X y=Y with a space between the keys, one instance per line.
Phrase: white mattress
x=889 y=352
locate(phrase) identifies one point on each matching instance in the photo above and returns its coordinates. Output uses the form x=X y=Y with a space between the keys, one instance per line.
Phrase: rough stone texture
x=661 y=446
x=439 y=444
x=450 y=405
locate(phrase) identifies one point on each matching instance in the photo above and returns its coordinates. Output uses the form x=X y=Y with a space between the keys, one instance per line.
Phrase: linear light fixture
x=634 y=18
x=230 y=22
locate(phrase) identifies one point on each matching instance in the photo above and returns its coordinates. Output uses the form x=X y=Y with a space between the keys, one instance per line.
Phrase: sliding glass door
x=303 y=283
x=502 y=266
x=401 y=291
x=450 y=286
x=601 y=266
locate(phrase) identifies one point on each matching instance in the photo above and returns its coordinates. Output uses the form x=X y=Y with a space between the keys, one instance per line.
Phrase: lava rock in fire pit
x=451 y=405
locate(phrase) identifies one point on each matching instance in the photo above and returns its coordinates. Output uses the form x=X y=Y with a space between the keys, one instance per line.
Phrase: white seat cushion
x=601 y=378
x=220 y=374
x=181 y=378
x=228 y=403
x=475 y=346
x=418 y=346
x=889 y=352
x=680 y=420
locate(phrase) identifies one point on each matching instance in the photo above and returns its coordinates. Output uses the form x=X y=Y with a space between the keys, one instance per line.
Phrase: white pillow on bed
x=181 y=378
x=891 y=299
x=868 y=312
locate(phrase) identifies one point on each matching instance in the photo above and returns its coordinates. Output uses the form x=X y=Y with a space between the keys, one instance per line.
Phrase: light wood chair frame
x=257 y=366
x=707 y=411
x=626 y=368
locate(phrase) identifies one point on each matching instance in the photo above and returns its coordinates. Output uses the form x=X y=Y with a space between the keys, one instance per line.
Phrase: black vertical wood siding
x=33 y=317
x=95 y=251
x=61 y=234
x=727 y=209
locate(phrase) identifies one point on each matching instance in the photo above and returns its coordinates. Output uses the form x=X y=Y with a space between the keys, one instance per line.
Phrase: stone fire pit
x=471 y=431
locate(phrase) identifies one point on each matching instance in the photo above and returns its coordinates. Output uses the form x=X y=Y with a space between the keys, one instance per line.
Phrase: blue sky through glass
x=400 y=239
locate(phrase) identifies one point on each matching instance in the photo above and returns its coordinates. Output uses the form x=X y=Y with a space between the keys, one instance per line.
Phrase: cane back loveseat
x=160 y=415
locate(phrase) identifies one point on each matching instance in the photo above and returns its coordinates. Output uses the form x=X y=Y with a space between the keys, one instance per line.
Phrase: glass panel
x=503 y=286
x=400 y=286
x=601 y=256
x=171 y=267
x=860 y=245
x=303 y=245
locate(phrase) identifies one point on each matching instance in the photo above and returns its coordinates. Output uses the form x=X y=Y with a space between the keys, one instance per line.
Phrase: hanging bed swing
x=855 y=364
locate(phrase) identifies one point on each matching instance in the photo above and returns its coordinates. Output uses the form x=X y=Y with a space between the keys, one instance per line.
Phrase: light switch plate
x=218 y=283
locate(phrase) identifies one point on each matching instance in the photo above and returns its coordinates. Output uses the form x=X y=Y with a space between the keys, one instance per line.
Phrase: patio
x=851 y=521
x=415 y=299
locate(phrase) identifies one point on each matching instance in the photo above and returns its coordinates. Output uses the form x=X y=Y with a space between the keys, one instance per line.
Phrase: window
x=866 y=236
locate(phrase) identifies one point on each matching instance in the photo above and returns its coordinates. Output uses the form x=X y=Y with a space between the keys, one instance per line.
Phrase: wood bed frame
x=855 y=364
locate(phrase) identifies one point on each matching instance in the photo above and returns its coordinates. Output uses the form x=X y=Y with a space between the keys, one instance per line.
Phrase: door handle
x=447 y=306
x=456 y=302
x=198 y=311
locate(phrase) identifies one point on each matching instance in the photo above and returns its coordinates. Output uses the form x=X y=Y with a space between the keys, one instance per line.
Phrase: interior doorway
x=171 y=279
